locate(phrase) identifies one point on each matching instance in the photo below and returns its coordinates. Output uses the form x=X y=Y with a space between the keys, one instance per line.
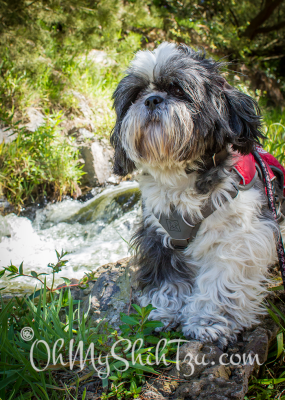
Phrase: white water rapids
x=92 y=233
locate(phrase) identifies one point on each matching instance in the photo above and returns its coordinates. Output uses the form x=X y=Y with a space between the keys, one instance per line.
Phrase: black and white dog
x=175 y=114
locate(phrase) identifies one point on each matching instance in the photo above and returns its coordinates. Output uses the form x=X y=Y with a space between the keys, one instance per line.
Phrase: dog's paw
x=168 y=326
x=169 y=323
x=209 y=333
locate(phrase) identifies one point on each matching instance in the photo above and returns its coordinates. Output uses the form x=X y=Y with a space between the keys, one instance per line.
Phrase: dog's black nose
x=153 y=101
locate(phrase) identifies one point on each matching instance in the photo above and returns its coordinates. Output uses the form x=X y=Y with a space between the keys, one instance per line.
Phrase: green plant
x=54 y=316
x=275 y=132
x=38 y=163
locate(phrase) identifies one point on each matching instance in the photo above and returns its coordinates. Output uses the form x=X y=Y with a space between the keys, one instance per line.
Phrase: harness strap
x=211 y=162
x=271 y=204
x=182 y=229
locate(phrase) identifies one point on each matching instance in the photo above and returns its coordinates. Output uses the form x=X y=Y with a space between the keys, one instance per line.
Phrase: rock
x=85 y=135
x=98 y=57
x=4 y=228
x=7 y=135
x=194 y=358
x=36 y=118
x=84 y=108
x=223 y=375
x=113 y=179
x=97 y=163
x=5 y=206
x=111 y=294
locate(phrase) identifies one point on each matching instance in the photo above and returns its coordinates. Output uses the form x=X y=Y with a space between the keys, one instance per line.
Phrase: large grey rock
x=97 y=163
x=223 y=375
x=112 y=293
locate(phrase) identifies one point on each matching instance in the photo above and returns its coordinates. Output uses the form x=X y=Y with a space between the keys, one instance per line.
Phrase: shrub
x=38 y=163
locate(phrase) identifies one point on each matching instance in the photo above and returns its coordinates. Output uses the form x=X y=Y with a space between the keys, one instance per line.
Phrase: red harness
x=246 y=168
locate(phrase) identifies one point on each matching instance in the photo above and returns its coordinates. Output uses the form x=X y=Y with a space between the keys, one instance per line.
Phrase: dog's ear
x=123 y=97
x=122 y=164
x=244 y=119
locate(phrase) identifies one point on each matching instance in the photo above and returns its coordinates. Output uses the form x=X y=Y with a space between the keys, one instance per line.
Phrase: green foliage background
x=44 y=58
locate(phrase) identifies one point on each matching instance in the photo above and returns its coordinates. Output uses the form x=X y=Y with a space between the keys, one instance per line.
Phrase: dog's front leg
x=225 y=299
x=168 y=300
x=163 y=274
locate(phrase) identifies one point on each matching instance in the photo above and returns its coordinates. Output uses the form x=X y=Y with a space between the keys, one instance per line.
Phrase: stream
x=92 y=233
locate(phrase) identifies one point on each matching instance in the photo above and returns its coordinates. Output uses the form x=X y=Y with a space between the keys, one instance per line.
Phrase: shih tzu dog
x=204 y=244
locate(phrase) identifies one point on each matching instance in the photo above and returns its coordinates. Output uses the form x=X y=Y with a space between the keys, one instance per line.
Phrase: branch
x=261 y=17
x=235 y=18
x=268 y=29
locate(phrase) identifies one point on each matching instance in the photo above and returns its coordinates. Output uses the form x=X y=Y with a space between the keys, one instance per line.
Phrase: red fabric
x=270 y=160
x=246 y=169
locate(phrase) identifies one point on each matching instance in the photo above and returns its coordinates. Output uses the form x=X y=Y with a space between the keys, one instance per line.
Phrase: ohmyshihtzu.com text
x=77 y=357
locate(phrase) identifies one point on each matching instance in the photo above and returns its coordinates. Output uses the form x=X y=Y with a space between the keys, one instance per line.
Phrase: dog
x=185 y=128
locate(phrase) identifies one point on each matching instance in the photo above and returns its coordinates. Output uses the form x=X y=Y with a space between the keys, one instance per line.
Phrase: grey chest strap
x=182 y=229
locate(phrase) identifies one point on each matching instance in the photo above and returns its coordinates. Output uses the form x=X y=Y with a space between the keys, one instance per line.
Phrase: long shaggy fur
x=214 y=287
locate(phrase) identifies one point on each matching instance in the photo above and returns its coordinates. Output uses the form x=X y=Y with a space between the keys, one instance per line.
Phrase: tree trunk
x=261 y=17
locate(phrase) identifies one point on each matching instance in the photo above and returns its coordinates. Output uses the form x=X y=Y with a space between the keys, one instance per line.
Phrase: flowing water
x=92 y=233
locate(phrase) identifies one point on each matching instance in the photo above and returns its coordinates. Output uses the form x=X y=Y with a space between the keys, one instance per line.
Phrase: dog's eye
x=176 y=90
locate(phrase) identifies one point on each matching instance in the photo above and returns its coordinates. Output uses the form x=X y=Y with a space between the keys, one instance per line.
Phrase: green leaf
x=84 y=394
x=34 y=274
x=12 y=268
x=2 y=273
x=152 y=339
x=129 y=320
x=149 y=308
x=105 y=383
x=66 y=281
x=137 y=308
x=278 y=312
x=143 y=368
x=279 y=338
x=274 y=317
x=270 y=381
x=113 y=378
x=21 y=270
x=35 y=294
x=154 y=324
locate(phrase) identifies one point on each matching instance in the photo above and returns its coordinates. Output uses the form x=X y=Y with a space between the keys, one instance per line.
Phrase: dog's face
x=174 y=106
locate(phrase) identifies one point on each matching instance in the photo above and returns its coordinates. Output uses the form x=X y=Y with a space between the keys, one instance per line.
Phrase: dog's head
x=173 y=106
